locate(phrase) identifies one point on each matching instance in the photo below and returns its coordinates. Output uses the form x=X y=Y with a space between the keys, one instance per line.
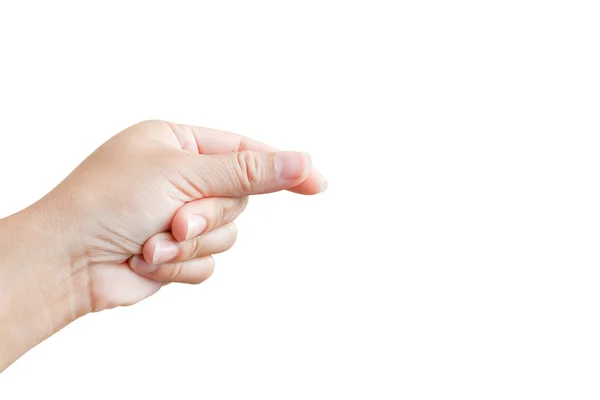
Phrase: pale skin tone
x=149 y=207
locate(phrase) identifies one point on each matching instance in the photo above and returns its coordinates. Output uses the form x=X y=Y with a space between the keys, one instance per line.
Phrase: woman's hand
x=149 y=207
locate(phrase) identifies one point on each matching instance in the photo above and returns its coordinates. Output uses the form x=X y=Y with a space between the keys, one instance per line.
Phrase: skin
x=149 y=207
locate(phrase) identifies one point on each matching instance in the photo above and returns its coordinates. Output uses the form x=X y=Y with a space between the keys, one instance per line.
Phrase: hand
x=140 y=194
x=131 y=188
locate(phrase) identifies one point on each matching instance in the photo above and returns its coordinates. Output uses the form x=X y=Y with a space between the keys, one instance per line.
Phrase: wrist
x=43 y=288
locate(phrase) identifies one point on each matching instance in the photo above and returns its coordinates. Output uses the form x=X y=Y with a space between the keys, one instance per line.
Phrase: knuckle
x=150 y=123
x=233 y=232
x=234 y=229
x=248 y=169
x=196 y=248
x=175 y=272
x=207 y=272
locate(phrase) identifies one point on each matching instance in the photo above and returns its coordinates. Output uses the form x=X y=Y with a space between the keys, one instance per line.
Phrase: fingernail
x=196 y=225
x=165 y=251
x=290 y=165
x=139 y=265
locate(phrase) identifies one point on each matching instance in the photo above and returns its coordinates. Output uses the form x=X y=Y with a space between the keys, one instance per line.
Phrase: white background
x=455 y=254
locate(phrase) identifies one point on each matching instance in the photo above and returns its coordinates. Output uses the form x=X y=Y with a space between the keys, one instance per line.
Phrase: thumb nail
x=290 y=165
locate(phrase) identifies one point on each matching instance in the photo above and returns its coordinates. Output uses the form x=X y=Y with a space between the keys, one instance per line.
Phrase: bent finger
x=201 y=216
x=163 y=248
x=191 y=272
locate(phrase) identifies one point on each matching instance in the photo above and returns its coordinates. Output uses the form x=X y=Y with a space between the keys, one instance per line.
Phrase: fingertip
x=314 y=184
x=179 y=226
x=149 y=250
x=187 y=225
x=140 y=266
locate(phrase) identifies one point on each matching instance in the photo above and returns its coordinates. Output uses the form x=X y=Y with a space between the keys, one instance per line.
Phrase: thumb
x=247 y=172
